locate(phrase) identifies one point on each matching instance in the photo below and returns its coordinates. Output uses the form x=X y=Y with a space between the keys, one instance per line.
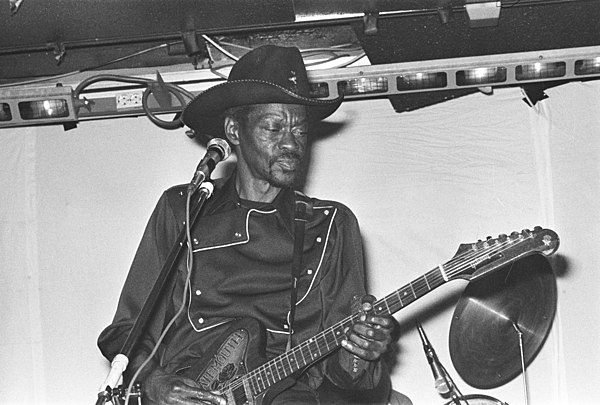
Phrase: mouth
x=288 y=163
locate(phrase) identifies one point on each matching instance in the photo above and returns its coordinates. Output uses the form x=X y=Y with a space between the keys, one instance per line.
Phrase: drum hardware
x=501 y=322
x=444 y=384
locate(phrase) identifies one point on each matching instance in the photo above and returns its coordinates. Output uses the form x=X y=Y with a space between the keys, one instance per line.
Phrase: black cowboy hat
x=268 y=74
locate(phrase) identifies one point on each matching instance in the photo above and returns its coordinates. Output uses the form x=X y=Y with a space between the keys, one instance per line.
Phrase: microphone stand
x=119 y=363
x=456 y=397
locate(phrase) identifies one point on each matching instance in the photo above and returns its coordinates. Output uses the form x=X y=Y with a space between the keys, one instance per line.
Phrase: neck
x=251 y=189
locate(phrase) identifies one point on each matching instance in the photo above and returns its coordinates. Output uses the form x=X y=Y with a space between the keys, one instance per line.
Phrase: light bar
x=540 y=70
x=365 y=81
x=363 y=85
x=587 y=66
x=36 y=106
x=319 y=90
x=421 y=80
x=481 y=76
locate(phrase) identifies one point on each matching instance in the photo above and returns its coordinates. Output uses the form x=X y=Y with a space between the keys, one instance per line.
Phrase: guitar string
x=451 y=269
x=306 y=345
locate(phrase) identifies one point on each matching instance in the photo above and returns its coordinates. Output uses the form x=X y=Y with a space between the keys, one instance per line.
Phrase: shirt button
x=286 y=326
x=309 y=271
x=319 y=239
x=201 y=320
x=198 y=292
x=326 y=212
x=238 y=235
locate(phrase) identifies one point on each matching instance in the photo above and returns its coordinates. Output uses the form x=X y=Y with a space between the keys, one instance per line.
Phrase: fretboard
x=315 y=348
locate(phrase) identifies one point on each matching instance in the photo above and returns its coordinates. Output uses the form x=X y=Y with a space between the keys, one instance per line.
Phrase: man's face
x=272 y=142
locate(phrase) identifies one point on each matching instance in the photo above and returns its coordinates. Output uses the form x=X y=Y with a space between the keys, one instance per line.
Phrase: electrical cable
x=189 y=267
x=75 y=72
x=220 y=48
x=178 y=91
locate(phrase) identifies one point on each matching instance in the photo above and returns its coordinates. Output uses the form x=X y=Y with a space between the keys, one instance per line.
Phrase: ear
x=232 y=132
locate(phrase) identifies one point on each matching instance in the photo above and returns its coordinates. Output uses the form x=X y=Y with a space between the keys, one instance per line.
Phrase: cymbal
x=484 y=333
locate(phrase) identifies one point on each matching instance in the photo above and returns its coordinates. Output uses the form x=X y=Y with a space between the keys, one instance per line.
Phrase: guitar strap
x=302 y=212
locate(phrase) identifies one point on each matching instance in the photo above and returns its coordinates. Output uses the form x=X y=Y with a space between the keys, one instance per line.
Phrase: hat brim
x=204 y=113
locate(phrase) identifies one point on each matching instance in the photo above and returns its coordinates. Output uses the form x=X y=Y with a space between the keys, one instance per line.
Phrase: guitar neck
x=317 y=347
x=481 y=257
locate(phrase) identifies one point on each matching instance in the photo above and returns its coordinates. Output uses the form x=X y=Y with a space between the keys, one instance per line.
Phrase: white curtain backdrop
x=73 y=205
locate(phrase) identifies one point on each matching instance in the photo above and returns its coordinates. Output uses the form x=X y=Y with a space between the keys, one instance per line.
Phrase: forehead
x=285 y=111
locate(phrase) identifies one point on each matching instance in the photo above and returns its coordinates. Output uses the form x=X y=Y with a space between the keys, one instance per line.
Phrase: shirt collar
x=226 y=197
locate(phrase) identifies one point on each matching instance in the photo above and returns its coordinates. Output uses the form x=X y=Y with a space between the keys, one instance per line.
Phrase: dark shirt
x=242 y=269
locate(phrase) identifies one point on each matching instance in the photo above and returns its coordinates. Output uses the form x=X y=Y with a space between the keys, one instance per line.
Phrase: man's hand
x=161 y=388
x=371 y=336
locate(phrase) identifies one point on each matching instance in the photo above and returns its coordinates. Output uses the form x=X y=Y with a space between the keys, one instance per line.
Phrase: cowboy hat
x=268 y=74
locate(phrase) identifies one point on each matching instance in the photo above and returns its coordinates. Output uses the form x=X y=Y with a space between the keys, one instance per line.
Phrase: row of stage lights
x=480 y=76
x=55 y=105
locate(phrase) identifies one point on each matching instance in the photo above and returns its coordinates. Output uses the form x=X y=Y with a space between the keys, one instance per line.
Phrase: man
x=243 y=252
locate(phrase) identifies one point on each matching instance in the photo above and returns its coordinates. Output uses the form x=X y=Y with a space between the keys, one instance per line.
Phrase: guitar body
x=239 y=349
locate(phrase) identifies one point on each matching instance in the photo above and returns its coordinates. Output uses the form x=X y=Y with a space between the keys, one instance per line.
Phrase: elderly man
x=245 y=245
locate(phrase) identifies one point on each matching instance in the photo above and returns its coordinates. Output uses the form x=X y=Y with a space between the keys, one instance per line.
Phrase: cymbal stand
x=522 y=351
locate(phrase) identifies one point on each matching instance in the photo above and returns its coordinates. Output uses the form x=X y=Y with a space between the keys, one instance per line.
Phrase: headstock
x=479 y=258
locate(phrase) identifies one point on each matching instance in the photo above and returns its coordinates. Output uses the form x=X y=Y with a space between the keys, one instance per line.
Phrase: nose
x=288 y=141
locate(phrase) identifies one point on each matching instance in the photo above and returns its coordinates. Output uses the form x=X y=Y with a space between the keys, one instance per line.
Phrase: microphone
x=217 y=150
x=439 y=374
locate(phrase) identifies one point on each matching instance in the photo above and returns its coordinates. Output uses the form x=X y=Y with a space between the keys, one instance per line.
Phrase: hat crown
x=282 y=66
x=268 y=74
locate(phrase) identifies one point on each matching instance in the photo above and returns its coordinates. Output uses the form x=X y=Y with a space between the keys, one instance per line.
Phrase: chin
x=282 y=180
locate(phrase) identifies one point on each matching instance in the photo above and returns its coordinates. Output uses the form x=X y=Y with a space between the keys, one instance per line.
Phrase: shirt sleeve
x=160 y=234
x=347 y=280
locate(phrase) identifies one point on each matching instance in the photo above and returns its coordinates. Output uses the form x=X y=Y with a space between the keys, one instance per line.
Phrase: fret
x=413 y=290
x=380 y=308
x=302 y=354
x=317 y=353
x=406 y=296
x=254 y=385
x=261 y=378
x=333 y=337
x=287 y=356
x=420 y=287
x=337 y=333
x=295 y=359
x=277 y=371
x=268 y=374
x=428 y=286
x=326 y=344
x=399 y=298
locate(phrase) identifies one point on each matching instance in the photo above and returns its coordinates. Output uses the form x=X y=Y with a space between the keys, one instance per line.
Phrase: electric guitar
x=237 y=370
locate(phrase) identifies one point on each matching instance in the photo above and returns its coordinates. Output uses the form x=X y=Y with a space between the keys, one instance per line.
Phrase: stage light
x=53 y=108
x=419 y=81
x=33 y=106
x=587 y=66
x=540 y=70
x=362 y=86
x=481 y=76
x=319 y=90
